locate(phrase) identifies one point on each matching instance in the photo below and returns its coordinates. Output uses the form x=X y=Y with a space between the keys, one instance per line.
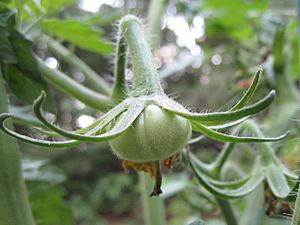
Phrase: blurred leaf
x=105 y=16
x=22 y=73
x=225 y=17
x=24 y=115
x=23 y=87
x=40 y=170
x=174 y=184
x=197 y=222
x=48 y=205
x=278 y=49
x=54 y=5
x=78 y=33
x=4 y=3
x=239 y=7
x=6 y=51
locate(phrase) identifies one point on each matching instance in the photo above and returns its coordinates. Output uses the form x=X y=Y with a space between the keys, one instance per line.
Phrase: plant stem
x=120 y=88
x=222 y=158
x=154 y=212
x=155 y=11
x=145 y=75
x=227 y=212
x=14 y=204
x=33 y=24
x=80 y=92
x=19 y=5
x=98 y=83
x=296 y=214
x=255 y=211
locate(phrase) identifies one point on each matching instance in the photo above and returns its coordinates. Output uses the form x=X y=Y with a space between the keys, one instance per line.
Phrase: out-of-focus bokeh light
x=51 y=62
x=93 y=6
x=187 y=35
x=84 y=121
x=216 y=59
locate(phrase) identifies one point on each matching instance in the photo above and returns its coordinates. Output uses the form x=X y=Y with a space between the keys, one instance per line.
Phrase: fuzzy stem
x=98 y=83
x=14 y=204
x=154 y=212
x=68 y=85
x=227 y=211
x=145 y=75
x=120 y=88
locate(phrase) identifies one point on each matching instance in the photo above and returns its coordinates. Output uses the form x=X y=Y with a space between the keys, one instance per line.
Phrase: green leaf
x=41 y=170
x=24 y=87
x=48 y=205
x=55 y=5
x=6 y=51
x=22 y=73
x=7 y=18
x=277 y=181
x=78 y=33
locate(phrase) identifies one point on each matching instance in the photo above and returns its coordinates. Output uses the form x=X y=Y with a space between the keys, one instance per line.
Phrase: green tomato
x=155 y=135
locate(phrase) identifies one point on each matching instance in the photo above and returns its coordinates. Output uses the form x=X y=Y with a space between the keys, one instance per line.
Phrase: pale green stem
x=145 y=76
x=155 y=12
x=255 y=211
x=222 y=158
x=120 y=89
x=154 y=212
x=14 y=204
x=19 y=5
x=33 y=24
x=96 y=80
x=227 y=211
x=78 y=91
x=296 y=214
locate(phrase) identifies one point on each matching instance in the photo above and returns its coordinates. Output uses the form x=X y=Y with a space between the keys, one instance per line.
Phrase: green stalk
x=19 y=5
x=14 y=204
x=155 y=11
x=227 y=212
x=255 y=211
x=296 y=214
x=145 y=75
x=120 y=88
x=78 y=91
x=222 y=158
x=96 y=80
x=154 y=211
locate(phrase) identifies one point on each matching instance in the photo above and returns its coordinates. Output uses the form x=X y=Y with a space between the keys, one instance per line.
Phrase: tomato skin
x=155 y=135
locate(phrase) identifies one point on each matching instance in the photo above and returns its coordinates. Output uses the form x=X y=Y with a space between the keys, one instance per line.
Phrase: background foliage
x=208 y=53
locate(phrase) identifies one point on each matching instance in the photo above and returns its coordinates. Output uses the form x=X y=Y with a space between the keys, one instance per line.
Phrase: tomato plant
x=148 y=130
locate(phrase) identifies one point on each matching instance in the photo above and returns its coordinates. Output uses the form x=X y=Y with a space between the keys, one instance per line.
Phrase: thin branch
x=78 y=91
x=96 y=80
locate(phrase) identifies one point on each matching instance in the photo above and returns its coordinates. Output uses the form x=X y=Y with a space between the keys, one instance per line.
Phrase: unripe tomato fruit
x=155 y=135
